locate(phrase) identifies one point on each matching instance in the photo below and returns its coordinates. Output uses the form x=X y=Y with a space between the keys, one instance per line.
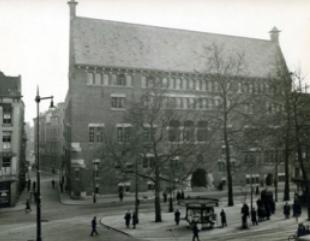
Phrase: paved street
x=60 y=222
x=72 y=222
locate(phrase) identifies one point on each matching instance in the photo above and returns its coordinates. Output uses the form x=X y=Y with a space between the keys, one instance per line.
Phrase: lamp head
x=52 y=103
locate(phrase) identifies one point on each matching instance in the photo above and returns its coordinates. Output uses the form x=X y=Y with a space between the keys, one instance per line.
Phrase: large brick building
x=12 y=140
x=112 y=61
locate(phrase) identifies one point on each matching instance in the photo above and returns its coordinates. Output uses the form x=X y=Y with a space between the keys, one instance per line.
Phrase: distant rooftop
x=110 y=43
x=10 y=85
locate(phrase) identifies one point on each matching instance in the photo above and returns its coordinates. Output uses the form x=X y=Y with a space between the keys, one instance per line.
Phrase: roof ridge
x=173 y=29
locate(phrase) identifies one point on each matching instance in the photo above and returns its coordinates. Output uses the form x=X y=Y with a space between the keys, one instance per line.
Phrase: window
x=221 y=166
x=121 y=80
x=90 y=78
x=105 y=79
x=148 y=161
x=95 y=133
x=202 y=131
x=118 y=102
x=98 y=78
x=150 y=82
x=143 y=82
x=164 y=83
x=123 y=132
x=188 y=131
x=6 y=161
x=174 y=131
x=7 y=114
x=6 y=139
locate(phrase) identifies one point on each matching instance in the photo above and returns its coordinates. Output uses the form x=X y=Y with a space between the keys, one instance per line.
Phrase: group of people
x=296 y=207
x=131 y=218
x=179 y=196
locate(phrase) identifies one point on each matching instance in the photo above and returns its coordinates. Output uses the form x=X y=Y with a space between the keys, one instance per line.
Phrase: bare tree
x=300 y=102
x=226 y=72
x=154 y=134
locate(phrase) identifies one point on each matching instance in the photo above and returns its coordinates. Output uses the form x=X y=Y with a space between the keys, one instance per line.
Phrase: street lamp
x=38 y=191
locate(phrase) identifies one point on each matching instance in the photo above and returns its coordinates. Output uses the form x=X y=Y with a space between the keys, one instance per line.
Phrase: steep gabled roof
x=10 y=86
x=110 y=43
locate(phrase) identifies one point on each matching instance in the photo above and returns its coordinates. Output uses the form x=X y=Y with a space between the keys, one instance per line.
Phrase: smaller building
x=12 y=140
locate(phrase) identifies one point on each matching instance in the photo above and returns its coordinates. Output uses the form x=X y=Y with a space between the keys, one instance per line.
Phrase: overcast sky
x=34 y=33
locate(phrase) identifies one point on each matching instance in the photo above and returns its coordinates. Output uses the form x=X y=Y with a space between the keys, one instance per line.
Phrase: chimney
x=72 y=5
x=274 y=35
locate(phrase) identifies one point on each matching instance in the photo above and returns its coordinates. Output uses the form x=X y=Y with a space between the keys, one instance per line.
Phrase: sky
x=35 y=33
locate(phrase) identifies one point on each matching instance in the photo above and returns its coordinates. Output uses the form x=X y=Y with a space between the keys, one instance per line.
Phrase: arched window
x=188 y=131
x=174 y=131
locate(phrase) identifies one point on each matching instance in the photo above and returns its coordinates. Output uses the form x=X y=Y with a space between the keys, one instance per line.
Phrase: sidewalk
x=167 y=230
x=143 y=196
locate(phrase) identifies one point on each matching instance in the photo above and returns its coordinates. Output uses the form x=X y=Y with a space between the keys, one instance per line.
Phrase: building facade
x=51 y=138
x=112 y=63
x=12 y=140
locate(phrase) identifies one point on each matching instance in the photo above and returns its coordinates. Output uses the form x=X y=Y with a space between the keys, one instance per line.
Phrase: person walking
x=296 y=209
x=165 y=196
x=134 y=220
x=28 y=207
x=245 y=214
x=177 y=216
x=223 y=218
x=121 y=195
x=94 y=226
x=195 y=230
x=34 y=186
x=28 y=185
x=287 y=211
x=254 y=217
x=127 y=218
x=53 y=183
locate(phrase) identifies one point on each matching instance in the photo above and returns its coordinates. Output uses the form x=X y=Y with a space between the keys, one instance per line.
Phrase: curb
x=114 y=229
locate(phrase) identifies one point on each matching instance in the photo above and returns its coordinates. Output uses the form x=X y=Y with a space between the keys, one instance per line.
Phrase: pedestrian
x=195 y=230
x=61 y=186
x=182 y=195
x=254 y=217
x=121 y=195
x=177 y=216
x=296 y=209
x=34 y=186
x=245 y=214
x=223 y=218
x=127 y=218
x=94 y=226
x=287 y=210
x=134 y=220
x=301 y=230
x=165 y=196
x=257 y=190
x=53 y=183
x=28 y=207
x=178 y=197
x=28 y=185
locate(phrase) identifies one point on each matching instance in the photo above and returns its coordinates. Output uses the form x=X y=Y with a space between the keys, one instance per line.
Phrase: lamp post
x=38 y=191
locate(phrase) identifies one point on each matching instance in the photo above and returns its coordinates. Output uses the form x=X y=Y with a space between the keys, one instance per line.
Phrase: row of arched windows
x=187 y=131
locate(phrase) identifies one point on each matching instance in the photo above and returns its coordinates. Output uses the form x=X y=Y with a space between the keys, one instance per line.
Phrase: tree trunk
x=157 y=195
x=228 y=164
